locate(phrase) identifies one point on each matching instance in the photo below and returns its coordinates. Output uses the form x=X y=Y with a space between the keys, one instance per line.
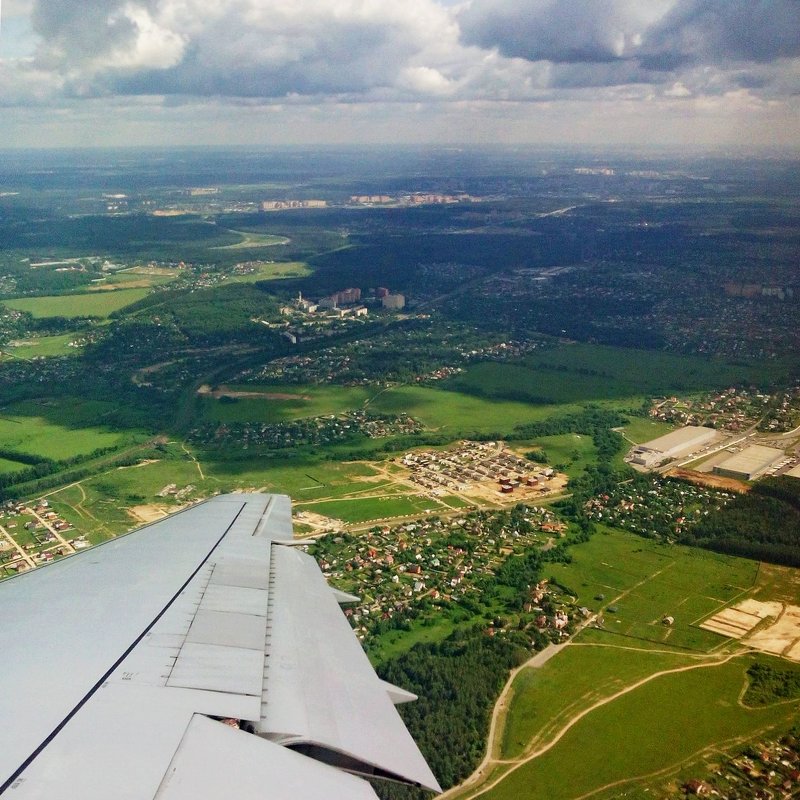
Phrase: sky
x=666 y=73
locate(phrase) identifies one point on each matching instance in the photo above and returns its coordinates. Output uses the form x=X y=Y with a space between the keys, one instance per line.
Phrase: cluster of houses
x=734 y=409
x=767 y=771
x=324 y=430
x=396 y=570
x=656 y=508
x=476 y=462
x=33 y=536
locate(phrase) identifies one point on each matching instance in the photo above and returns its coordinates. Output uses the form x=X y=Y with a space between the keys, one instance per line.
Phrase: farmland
x=96 y=304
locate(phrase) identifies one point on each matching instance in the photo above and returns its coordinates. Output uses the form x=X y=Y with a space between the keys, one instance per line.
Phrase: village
x=764 y=771
x=398 y=572
x=324 y=430
x=734 y=409
x=31 y=535
x=656 y=508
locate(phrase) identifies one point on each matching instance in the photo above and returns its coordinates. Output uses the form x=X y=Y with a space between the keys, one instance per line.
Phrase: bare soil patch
x=707 y=479
x=224 y=391
x=771 y=627
x=319 y=522
x=149 y=513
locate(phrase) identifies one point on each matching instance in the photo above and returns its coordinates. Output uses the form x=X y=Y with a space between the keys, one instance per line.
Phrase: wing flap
x=215 y=760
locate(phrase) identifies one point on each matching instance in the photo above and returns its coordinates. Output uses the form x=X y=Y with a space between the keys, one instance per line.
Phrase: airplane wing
x=195 y=656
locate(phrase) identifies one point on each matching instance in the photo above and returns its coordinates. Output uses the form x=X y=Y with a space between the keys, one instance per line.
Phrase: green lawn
x=36 y=435
x=288 y=403
x=270 y=271
x=656 y=726
x=94 y=304
x=46 y=346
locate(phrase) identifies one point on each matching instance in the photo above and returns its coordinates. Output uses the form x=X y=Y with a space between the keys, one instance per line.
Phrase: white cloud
x=465 y=58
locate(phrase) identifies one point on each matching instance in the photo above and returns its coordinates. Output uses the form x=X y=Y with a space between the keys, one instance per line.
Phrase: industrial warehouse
x=751 y=463
x=673 y=445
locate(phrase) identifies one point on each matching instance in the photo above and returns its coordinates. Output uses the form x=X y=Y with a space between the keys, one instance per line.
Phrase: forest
x=763 y=524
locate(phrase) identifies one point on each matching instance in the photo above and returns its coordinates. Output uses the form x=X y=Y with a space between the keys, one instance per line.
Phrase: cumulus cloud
x=255 y=48
x=476 y=57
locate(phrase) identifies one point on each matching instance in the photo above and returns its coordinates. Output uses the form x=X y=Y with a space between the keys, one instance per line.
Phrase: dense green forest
x=457 y=681
x=764 y=524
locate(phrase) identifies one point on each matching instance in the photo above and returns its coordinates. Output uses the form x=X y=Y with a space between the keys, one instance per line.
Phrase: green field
x=369 y=508
x=640 y=430
x=253 y=240
x=45 y=346
x=36 y=435
x=94 y=304
x=583 y=372
x=645 y=581
x=659 y=725
x=653 y=726
x=460 y=414
x=545 y=698
x=10 y=466
x=286 y=403
x=572 y=451
x=274 y=270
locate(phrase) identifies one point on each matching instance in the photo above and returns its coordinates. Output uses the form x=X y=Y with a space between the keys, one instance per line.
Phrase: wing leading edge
x=198 y=651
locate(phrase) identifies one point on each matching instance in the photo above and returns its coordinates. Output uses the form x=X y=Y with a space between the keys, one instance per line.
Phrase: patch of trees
x=457 y=681
x=43 y=473
x=596 y=479
x=768 y=684
x=764 y=524
x=592 y=421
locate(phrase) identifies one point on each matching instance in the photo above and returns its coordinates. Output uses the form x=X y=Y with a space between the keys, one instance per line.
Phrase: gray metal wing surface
x=195 y=656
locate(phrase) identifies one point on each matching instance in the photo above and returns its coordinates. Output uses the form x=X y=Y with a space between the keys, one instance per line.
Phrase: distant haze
x=675 y=73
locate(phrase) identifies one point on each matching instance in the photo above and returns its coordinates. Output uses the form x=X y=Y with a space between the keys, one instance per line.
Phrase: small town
x=397 y=571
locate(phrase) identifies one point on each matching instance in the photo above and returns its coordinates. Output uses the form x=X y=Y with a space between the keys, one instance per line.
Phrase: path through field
x=490 y=761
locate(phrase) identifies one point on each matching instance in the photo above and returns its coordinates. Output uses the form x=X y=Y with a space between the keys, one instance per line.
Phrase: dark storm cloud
x=575 y=31
x=81 y=29
x=678 y=35
x=720 y=31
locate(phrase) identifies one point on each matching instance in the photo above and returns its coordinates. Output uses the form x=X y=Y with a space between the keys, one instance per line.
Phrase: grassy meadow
x=664 y=722
x=39 y=436
x=633 y=584
x=94 y=304
x=45 y=346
